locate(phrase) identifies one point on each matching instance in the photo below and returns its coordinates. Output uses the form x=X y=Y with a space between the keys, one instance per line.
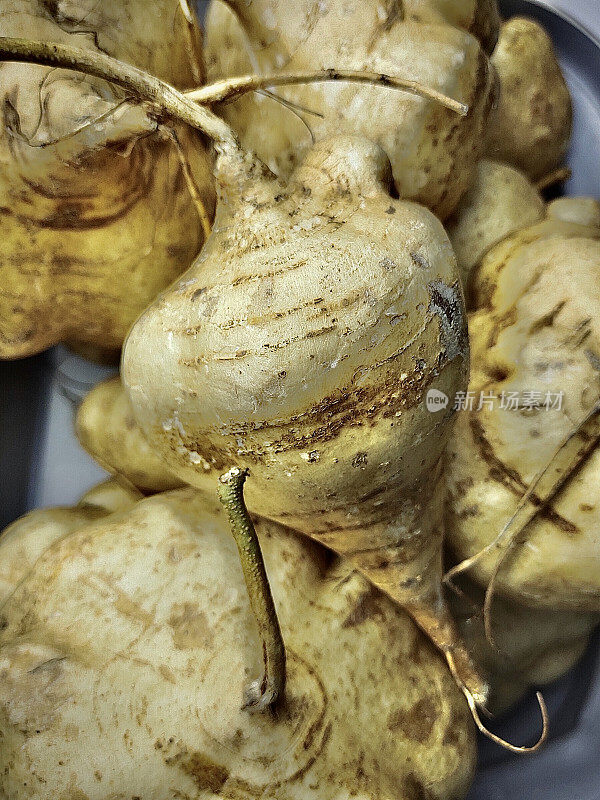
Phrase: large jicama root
x=535 y=344
x=530 y=127
x=302 y=344
x=125 y=650
x=22 y=543
x=107 y=429
x=94 y=201
x=501 y=201
x=533 y=647
x=432 y=152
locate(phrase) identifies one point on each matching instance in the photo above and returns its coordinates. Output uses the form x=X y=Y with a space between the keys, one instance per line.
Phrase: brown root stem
x=159 y=94
x=559 y=175
x=190 y=182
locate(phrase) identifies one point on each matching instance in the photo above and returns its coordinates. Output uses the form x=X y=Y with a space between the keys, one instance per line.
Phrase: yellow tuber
x=530 y=127
x=95 y=203
x=124 y=651
x=302 y=345
x=432 y=152
x=501 y=201
x=523 y=464
x=107 y=429
x=22 y=543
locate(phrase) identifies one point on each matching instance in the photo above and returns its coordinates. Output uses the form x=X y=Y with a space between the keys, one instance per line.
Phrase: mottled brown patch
x=190 y=626
x=415 y=723
x=206 y=773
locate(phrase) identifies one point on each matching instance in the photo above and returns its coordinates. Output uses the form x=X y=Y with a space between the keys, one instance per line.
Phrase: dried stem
x=192 y=187
x=264 y=693
x=230 y=88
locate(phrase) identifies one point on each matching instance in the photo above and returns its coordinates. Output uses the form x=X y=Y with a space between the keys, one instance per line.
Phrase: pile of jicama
x=415 y=512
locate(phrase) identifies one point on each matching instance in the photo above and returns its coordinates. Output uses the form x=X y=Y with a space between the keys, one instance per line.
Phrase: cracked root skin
x=126 y=649
x=536 y=330
x=432 y=150
x=95 y=212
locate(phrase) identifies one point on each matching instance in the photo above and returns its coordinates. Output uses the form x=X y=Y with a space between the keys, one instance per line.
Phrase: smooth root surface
x=126 y=650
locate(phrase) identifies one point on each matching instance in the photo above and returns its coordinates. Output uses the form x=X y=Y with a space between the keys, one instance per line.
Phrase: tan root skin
x=531 y=125
x=501 y=201
x=25 y=540
x=126 y=649
x=431 y=149
x=536 y=646
x=301 y=345
x=96 y=215
x=536 y=330
x=107 y=429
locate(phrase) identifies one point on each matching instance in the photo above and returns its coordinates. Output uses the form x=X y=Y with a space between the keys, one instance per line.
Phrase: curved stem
x=472 y=703
x=265 y=692
x=144 y=86
x=559 y=175
x=230 y=88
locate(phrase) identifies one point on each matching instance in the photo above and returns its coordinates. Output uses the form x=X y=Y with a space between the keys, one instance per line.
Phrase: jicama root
x=580 y=210
x=530 y=127
x=23 y=542
x=302 y=345
x=523 y=508
x=124 y=654
x=95 y=208
x=107 y=429
x=357 y=395
x=501 y=201
x=432 y=152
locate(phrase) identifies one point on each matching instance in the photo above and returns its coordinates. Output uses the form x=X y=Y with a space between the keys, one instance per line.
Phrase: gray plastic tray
x=41 y=464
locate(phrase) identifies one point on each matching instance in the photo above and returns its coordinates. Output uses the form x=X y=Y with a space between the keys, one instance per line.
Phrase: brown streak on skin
x=512 y=481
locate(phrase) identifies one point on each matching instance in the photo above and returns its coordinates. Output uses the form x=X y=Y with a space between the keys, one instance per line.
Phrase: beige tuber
x=432 y=152
x=530 y=127
x=95 y=201
x=523 y=468
x=125 y=651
